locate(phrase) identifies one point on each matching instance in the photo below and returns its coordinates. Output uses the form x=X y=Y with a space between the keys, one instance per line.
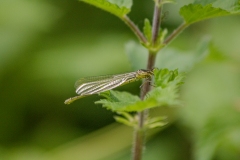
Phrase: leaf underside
x=196 y=12
x=114 y=8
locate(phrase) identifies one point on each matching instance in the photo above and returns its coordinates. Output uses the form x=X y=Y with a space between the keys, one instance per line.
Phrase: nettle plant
x=164 y=85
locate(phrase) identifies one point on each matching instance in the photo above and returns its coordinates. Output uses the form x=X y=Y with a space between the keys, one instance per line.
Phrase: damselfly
x=97 y=84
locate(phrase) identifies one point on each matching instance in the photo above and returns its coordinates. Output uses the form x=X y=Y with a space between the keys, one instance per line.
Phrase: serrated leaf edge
x=109 y=7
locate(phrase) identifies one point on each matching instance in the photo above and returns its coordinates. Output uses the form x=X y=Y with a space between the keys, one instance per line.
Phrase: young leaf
x=127 y=115
x=162 y=35
x=159 y=43
x=196 y=12
x=156 y=119
x=155 y=122
x=166 y=87
x=126 y=119
x=147 y=30
x=118 y=8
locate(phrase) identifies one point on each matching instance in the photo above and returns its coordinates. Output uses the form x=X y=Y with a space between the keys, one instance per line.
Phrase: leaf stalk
x=135 y=29
x=175 y=33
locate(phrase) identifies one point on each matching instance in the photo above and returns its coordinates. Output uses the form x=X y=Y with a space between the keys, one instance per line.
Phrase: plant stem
x=139 y=133
x=156 y=22
x=135 y=29
x=175 y=33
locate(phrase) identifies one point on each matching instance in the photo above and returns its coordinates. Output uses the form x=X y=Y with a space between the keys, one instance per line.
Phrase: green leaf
x=118 y=8
x=147 y=30
x=163 y=2
x=155 y=122
x=136 y=54
x=166 y=88
x=156 y=119
x=229 y=5
x=163 y=77
x=168 y=57
x=164 y=93
x=172 y=58
x=128 y=116
x=132 y=120
x=161 y=36
x=196 y=12
x=117 y=101
x=126 y=119
x=122 y=3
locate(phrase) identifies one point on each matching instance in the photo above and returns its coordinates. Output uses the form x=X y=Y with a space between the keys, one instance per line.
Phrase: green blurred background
x=45 y=46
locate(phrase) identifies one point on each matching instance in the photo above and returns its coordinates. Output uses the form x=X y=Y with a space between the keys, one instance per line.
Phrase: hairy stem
x=175 y=33
x=156 y=22
x=139 y=133
x=135 y=29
